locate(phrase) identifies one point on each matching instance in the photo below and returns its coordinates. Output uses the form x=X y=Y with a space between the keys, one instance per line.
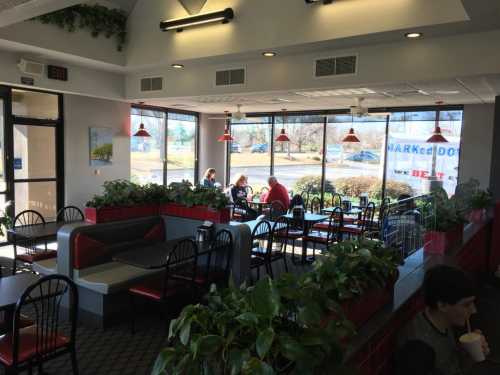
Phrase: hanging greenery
x=96 y=18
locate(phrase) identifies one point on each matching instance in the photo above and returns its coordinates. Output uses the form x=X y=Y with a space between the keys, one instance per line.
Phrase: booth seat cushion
x=156 y=234
x=111 y=277
x=46 y=267
x=88 y=252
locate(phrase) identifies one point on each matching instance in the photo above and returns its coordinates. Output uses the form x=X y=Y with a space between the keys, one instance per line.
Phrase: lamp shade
x=226 y=137
x=142 y=132
x=282 y=137
x=351 y=137
x=437 y=137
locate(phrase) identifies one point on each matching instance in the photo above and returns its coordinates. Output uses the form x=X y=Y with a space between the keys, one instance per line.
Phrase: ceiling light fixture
x=226 y=137
x=351 y=136
x=436 y=136
x=177 y=66
x=269 y=54
x=223 y=16
x=282 y=137
x=319 y=1
x=142 y=132
x=413 y=35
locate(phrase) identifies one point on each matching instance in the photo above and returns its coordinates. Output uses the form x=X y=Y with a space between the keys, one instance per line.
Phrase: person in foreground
x=209 y=178
x=449 y=303
x=277 y=192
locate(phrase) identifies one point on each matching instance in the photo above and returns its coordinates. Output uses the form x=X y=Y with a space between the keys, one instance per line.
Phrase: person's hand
x=484 y=343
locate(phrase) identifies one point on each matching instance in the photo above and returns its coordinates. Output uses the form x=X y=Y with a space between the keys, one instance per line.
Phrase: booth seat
x=46 y=266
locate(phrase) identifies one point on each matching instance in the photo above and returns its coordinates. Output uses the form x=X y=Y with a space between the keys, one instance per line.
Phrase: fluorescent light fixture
x=413 y=35
x=447 y=92
x=269 y=54
x=340 y=92
x=180 y=24
x=319 y=1
x=177 y=66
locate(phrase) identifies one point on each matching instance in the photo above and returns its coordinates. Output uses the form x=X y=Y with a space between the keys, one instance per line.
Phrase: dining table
x=309 y=220
x=35 y=232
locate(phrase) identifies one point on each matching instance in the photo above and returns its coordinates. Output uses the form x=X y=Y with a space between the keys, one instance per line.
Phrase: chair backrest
x=336 y=200
x=264 y=189
x=279 y=233
x=183 y=258
x=221 y=251
x=367 y=217
x=305 y=198
x=42 y=301
x=28 y=217
x=249 y=189
x=297 y=200
x=315 y=205
x=277 y=209
x=335 y=224
x=261 y=231
x=70 y=214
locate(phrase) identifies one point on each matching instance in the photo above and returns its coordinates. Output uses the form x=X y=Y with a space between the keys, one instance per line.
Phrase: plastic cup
x=471 y=342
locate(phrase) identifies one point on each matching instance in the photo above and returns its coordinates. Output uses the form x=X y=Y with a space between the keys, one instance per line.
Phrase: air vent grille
x=230 y=77
x=334 y=66
x=152 y=84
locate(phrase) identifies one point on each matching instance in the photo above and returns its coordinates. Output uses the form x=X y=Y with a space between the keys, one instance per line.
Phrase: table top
x=12 y=287
x=154 y=255
x=37 y=230
x=310 y=217
x=353 y=211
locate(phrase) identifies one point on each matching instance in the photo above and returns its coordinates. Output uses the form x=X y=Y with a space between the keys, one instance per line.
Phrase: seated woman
x=239 y=197
x=209 y=178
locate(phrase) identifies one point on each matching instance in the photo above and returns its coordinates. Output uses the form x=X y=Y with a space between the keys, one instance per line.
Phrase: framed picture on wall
x=101 y=146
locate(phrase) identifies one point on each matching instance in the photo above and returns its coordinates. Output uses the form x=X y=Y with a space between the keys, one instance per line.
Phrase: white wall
x=81 y=113
x=477 y=143
x=212 y=152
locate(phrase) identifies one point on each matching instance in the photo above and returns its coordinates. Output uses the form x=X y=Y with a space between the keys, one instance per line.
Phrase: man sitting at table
x=277 y=192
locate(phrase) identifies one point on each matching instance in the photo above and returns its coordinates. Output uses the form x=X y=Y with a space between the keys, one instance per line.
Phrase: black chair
x=70 y=214
x=214 y=264
x=249 y=189
x=242 y=212
x=29 y=347
x=296 y=200
x=315 y=205
x=276 y=210
x=305 y=199
x=330 y=234
x=364 y=225
x=336 y=200
x=264 y=190
x=32 y=252
x=182 y=260
x=279 y=242
x=260 y=241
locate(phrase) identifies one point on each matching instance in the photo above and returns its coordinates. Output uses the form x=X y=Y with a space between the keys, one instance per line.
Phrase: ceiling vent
x=230 y=77
x=334 y=66
x=30 y=67
x=151 y=84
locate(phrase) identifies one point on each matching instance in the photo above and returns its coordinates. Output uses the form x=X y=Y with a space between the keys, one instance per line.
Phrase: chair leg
x=284 y=261
x=74 y=362
x=132 y=311
x=14 y=260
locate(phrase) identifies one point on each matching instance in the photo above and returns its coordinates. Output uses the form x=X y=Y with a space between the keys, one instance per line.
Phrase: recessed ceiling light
x=268 y=54
x=341 y=92
x=413 y=35
x=177 y=66
x=447 y=92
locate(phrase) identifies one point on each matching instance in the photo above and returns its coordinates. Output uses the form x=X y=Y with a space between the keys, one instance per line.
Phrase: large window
x=396 y=152
x=251 y=150
x=169 y=154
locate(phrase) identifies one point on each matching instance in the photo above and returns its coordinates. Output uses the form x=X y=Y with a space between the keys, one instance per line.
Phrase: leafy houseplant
x=479 y=202
x=271 y=328
x=96 y=18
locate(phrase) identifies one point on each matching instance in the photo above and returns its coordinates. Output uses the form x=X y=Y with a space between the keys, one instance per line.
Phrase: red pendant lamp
x=436 y=136
x=351 y=136
x=226 y=137
x=282 y=137
x=142 y=132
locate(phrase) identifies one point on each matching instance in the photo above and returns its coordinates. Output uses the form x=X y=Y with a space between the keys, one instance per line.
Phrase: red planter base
x=195 y=212
x=106 y=215
x=440 y=242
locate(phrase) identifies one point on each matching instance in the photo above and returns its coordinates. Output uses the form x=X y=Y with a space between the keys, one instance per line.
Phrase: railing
x=405 y=223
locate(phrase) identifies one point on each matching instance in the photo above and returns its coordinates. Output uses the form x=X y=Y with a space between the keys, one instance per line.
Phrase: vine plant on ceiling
x=96 y=18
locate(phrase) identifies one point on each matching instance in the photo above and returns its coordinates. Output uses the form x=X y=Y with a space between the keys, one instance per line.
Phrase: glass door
x=3 y=184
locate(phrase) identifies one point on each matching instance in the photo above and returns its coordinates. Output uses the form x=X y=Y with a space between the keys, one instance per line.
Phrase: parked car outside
x=364 y=156
x=259 y=147
x=235 y=148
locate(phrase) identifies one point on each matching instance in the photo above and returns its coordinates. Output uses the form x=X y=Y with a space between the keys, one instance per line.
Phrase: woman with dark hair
x=209 y=178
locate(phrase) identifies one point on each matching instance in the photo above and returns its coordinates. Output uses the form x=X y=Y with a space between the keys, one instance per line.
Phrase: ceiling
x=470 y=90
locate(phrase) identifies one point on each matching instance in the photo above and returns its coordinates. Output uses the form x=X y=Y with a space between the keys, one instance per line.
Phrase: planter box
x=195 y=212
x=440 y=242
x=108 y=214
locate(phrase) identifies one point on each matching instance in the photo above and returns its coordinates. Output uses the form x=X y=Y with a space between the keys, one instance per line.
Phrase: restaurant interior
x=249 y=187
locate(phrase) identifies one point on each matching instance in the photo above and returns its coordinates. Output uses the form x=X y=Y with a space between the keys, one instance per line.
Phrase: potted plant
x=271 y=328
x=480 y=201
x=360 y=275
x=445 y=230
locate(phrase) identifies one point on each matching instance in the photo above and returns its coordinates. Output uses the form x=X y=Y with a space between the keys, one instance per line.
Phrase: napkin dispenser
x=298 y=212
x=205 y=232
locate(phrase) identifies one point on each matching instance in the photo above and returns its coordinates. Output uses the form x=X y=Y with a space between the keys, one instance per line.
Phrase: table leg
x=304 y=243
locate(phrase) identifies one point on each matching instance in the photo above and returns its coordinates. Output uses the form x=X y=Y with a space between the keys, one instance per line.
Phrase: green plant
x=349 y=268
x=393 y=189
x=312 y=184
x=272 y=328
x=481 y=199
x=448 y=212
x=96 y=18
x=355 y=186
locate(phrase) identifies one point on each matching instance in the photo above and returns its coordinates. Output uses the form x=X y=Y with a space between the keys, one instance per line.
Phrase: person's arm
x=234 y=193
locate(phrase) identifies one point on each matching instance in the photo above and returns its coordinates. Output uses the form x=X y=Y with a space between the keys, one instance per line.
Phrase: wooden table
x=11 y=289
x=154 y=255
x=36 y=231
x=309 y=221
